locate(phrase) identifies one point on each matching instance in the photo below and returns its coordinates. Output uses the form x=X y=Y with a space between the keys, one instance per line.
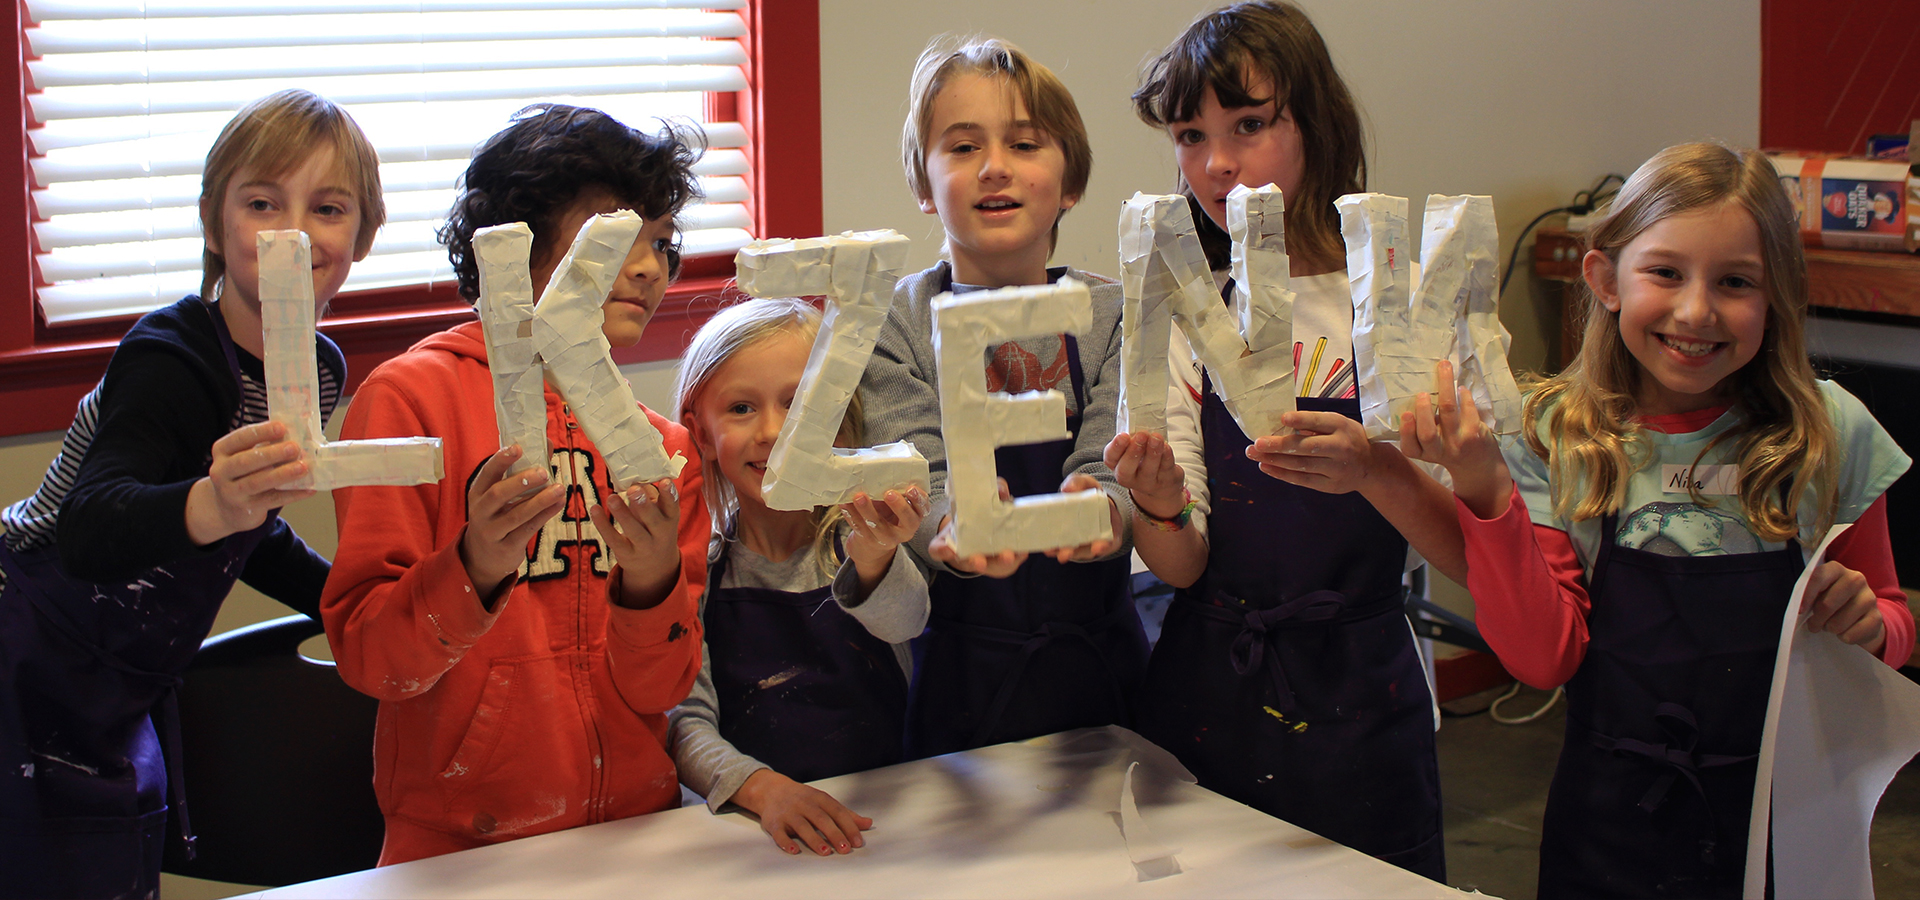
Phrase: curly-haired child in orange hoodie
x=525 y=640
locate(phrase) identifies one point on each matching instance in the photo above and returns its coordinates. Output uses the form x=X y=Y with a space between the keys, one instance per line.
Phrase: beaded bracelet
x=1177 y=522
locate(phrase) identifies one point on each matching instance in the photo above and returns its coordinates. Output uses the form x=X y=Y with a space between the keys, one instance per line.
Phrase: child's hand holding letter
x=244 y=483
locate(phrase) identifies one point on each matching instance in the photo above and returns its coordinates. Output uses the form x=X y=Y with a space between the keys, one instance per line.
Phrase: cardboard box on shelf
x=1852 y=204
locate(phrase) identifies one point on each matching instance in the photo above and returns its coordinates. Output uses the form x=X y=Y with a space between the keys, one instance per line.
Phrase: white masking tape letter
x=1486 y=340
x=973 y=422
x=1146 y=321
x=1379 y=273
x=293 y=381
x=1255 y=383
x=570 y=343
x=1262 y=285
x=856 y=271
x=1400 y=333
x=506 y=317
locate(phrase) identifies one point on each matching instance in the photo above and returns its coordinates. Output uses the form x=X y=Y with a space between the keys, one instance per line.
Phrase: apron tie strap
x=168 y=714
x=1248 y=650
x=1680 y=761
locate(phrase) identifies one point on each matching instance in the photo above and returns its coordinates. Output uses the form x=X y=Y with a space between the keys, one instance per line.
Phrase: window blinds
x=128 y=95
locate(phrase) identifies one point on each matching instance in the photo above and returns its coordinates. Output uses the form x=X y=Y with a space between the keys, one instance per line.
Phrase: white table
x=1037 y=818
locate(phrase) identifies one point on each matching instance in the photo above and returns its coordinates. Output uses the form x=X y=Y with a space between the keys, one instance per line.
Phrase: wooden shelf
x=1867 y=282
x=1885 y=283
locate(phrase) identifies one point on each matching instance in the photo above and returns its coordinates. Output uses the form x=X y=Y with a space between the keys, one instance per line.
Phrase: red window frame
x=45 y=370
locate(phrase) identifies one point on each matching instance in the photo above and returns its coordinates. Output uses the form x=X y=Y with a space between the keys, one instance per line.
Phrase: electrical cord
x=1583 y=202
x=1493 y=709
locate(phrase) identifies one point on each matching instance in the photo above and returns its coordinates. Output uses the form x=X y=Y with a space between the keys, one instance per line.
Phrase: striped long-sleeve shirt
x=112 y=501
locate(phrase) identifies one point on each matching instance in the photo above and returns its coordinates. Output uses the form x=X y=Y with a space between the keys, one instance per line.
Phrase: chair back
x=278 y=758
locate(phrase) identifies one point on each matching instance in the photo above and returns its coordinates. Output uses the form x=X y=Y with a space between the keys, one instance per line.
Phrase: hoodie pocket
x=519 y=768
x=483 y=730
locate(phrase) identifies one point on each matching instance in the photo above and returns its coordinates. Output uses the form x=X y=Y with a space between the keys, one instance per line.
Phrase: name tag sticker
x=1720 y=481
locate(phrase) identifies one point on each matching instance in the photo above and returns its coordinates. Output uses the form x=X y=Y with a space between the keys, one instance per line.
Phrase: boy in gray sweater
x=995 y=146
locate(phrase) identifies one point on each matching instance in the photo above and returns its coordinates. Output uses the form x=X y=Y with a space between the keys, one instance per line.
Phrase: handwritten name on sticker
x=1715 y=481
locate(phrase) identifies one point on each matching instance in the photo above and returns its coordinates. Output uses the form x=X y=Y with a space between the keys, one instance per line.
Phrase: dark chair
x=278 y=756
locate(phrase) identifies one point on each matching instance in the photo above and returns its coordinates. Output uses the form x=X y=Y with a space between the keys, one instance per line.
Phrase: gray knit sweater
x=901 y=390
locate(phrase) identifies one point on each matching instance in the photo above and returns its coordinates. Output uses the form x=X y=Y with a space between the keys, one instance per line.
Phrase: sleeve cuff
x=729 y=784
x=458 y=614
x=846 y=582
x=1122 y=501
x=887 y=613
x=1897 y=619
x=667 y=621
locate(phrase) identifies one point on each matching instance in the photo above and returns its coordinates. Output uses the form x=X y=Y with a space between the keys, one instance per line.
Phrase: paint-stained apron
x=802 y=685
x=1286 y=678
x=1048 y=648
x=87 y=672
x=1654 y=787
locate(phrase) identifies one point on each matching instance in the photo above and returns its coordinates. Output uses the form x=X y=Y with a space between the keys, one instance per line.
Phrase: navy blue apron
x=1286 y=677
x=87 y=672
x=802 y=685
x=1655 y=782
x=1049 y=648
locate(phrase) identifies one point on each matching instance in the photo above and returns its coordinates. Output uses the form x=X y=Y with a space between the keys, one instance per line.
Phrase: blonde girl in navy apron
x=806 y=613
x=1639 y=541
x=1285 y=675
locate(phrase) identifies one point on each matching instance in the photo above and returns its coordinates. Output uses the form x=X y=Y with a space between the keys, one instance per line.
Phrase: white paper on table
x=292 y=372
x=973 y=422
x=506 y=319
x=1840 y=724
x=1255 y=384
x=856 y=272
x=570 y=342
x=1032 y=819
x=1151 y=859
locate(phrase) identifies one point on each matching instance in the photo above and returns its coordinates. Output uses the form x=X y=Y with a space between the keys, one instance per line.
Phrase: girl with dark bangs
x=1285 y=675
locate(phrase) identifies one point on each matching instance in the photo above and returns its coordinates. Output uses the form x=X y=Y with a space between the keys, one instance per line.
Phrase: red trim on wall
x=44 y=371
x=781 y=109
x=1833 y=74
x=17 y=315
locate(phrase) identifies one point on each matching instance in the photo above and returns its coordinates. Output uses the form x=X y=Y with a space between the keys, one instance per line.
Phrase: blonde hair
x=1048 y=102
x=730 y=331
x=1787 y=428
x=273 y=136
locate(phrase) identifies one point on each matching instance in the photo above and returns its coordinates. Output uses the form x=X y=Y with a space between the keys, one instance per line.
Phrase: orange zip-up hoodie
x=548 y=711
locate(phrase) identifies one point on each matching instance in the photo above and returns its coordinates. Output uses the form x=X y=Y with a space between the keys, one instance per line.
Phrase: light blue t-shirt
x=1659 y=516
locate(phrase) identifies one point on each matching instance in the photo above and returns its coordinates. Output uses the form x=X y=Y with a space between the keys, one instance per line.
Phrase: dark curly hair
x=535 y=168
